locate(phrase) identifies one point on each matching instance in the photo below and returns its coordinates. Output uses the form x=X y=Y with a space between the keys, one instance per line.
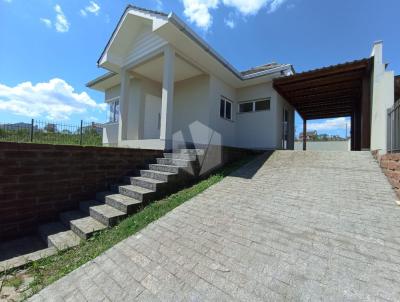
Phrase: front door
x=152 y=117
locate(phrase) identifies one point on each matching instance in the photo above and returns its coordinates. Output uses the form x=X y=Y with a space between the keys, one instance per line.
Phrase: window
x=256 y=105
x=113 y=112
x=225 y=109
x=246 y=107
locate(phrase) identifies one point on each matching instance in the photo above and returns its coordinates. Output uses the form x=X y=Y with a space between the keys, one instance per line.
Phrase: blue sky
x=49 y=48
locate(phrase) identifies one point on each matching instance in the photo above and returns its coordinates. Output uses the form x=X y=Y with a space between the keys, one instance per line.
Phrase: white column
x=123 y=106
x=167 y=97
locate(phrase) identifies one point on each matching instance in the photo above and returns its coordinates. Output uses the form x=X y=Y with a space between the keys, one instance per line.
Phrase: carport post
x=304 y=134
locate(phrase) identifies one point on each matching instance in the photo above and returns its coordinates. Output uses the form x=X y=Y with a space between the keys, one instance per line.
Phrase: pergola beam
x=336 y=79
x=330 y=71
x=326 y=88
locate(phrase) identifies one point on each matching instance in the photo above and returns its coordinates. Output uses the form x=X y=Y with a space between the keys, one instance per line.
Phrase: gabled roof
x=179 y=24
x=261 y=68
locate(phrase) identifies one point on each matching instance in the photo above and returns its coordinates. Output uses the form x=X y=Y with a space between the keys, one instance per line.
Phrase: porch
x=147 y=91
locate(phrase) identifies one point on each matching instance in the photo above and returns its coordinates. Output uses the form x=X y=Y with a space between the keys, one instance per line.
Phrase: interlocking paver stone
x=297 y=226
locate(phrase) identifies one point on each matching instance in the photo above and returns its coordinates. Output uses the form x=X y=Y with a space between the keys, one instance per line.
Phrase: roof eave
x=99 y=79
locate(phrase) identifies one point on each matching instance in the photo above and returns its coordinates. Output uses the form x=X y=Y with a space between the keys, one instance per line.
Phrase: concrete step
x=67 y=217
x=23 y=259
x=86 y=227
x=198 y=152
x=159 y=175
x=57 y=235
x=148 y=183
x=123 y=203
x=186 y=156
x=174 y=162
x=64 y=240
x=138 y=193
x=165 y=168
x=106 y=214
x=84 y=206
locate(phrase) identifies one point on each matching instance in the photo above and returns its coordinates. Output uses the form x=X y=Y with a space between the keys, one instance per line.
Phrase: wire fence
x=42 y=132
x=393 y=128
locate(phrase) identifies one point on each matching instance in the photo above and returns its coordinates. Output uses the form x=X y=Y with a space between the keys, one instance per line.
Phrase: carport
x=336 y=91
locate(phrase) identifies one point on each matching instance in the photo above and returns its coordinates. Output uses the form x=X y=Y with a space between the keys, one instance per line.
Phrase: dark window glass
x=222 y=108
x=228 y=110
x=262 y=105
x=246 y=107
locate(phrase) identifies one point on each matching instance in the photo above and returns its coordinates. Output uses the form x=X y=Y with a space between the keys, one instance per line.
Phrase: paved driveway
x=300 y=226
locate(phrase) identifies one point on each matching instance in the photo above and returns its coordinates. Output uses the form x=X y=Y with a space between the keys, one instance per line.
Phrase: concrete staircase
x=168 y=175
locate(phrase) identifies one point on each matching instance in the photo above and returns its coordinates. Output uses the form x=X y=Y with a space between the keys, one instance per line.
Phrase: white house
x=167 y=88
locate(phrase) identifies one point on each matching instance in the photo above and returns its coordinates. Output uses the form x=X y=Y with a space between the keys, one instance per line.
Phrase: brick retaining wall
x=390 y=164
x=37 y=182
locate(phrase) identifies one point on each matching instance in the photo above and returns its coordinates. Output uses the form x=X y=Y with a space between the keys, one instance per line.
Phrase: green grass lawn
x=89 y=138
x=48 y=270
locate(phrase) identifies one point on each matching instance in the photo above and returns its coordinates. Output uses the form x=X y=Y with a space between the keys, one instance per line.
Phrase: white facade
x=168 y=84
x=382 y=84
x=166 y=87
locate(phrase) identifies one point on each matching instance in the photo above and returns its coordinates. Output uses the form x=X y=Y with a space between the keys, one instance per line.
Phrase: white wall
x=325 y=146
x=110 y=134
x=263 y=129
x=145 y=43
x=382 y=99
x=196 y=114
x=139 y=90
x=152 y=112
x=112 y=92
x=281 y=104
x=222 y=131
x=256 y=129
x=191 y=111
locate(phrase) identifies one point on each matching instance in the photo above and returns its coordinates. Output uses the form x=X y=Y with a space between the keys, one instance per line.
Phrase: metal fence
x=42 y=132
x=393 y=127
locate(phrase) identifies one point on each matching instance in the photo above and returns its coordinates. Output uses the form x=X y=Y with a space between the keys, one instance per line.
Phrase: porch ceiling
x=327 y=92
x=153 y=69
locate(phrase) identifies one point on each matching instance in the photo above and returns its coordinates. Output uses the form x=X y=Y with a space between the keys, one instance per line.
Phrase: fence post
x=31 y=134
x=81 y=133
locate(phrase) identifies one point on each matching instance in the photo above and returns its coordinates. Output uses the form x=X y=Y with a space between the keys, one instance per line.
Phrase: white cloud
x=55 y=99
x=230 y=23
x=46 y=22
x=275 y=4
x=198 y=11
x=61 y=24
x=329 y=124
x=246 y=7
x=92 y=8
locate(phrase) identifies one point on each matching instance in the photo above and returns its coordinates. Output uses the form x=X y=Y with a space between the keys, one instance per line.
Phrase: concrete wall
x=382 y=99
x=196 y=114
x=139 y=90
x=222 y=131
x=191 y=111
x=324 y=146
x=282 y=104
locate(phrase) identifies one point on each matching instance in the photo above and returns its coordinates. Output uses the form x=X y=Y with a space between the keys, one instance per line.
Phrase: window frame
x=112 y=112
x=226 y=100
x=254 y=105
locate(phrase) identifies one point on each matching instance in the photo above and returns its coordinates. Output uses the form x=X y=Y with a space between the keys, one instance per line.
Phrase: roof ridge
x=147 y=10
